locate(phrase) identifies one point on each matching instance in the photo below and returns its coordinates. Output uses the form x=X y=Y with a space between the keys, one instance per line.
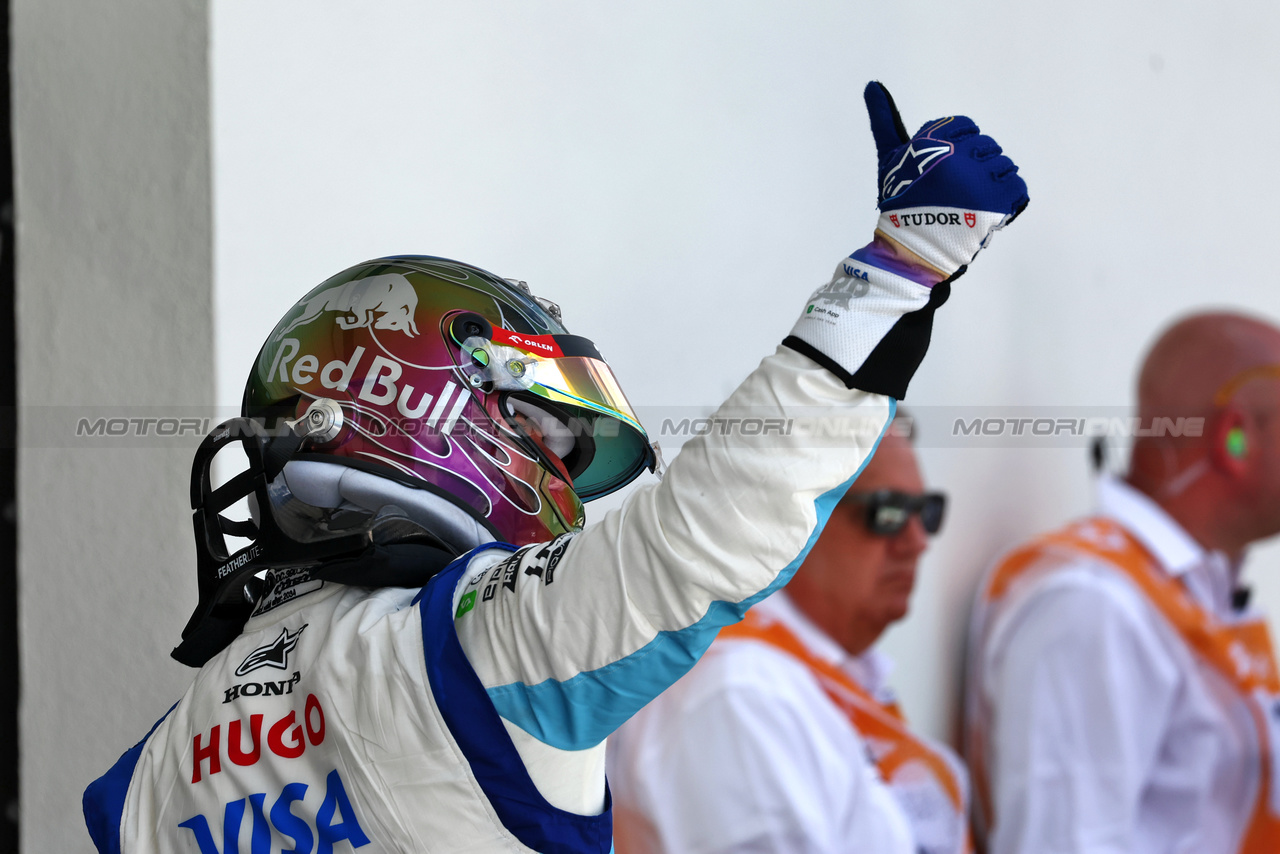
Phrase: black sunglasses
x=888 y=510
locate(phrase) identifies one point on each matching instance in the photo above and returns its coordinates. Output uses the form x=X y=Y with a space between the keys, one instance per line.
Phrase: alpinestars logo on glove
x=914 y=164
x=274 y=654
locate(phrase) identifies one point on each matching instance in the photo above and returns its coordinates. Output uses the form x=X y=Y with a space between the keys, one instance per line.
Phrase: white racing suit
x=471 y=715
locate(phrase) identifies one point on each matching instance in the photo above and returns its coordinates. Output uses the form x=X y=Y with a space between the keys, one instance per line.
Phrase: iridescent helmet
x=401 y=413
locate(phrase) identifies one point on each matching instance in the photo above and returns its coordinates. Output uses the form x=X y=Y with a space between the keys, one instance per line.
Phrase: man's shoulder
x=1055 y=592
x=1082 y=560
x=747 y=686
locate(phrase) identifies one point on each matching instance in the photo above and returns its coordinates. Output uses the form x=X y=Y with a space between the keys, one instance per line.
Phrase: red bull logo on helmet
x=381 y=384
x=379 y=302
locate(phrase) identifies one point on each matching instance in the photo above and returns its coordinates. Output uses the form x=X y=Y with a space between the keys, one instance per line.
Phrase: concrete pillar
x=111 y=140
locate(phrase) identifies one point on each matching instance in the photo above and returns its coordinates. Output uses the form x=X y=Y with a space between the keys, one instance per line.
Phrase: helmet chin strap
x=432 y=531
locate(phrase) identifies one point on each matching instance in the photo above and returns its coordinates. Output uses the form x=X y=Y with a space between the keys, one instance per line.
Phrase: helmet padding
x=333 y=486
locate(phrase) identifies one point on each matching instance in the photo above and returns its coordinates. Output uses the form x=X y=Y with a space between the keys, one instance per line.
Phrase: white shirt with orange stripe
x=749 y=753
x=1094 y=725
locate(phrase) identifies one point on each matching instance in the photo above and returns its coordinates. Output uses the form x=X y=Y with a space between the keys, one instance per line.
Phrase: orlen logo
x=544 y=344
x=381 y=302
x=287 y=738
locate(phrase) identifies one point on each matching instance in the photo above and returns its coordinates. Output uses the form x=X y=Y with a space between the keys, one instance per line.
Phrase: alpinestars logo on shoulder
x=274 y=654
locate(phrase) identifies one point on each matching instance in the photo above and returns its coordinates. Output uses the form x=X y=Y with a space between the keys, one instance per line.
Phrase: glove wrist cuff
x=892 y=257
x=942 y=238
x=868 y=325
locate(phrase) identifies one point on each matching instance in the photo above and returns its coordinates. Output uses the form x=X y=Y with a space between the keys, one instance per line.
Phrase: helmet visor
x=568 y=371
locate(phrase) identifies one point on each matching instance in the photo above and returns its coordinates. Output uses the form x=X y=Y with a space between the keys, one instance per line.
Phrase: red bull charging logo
x=381 y=302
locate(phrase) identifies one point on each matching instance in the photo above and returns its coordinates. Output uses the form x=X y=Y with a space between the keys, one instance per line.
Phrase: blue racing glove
x=944 y=191
x=942 y=194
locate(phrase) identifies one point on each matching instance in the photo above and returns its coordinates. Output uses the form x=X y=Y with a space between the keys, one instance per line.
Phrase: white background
x=678 y=175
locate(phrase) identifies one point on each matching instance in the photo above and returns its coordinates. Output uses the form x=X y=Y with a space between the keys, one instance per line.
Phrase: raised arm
x=571 y=638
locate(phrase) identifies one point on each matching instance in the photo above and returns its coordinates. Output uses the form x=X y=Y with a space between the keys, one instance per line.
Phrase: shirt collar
x=1210 y=576
x=1172 y=546
x=871 y=669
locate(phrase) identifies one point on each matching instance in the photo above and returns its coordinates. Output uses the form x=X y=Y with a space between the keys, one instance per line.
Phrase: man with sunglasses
x=786 y=736
x=1122 y=695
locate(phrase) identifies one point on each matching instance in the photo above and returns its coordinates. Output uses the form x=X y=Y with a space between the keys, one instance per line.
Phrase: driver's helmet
x=409 y=399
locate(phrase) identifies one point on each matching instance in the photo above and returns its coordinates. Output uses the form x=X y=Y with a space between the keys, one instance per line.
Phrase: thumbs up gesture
x=944 y=191
x=942 y=194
